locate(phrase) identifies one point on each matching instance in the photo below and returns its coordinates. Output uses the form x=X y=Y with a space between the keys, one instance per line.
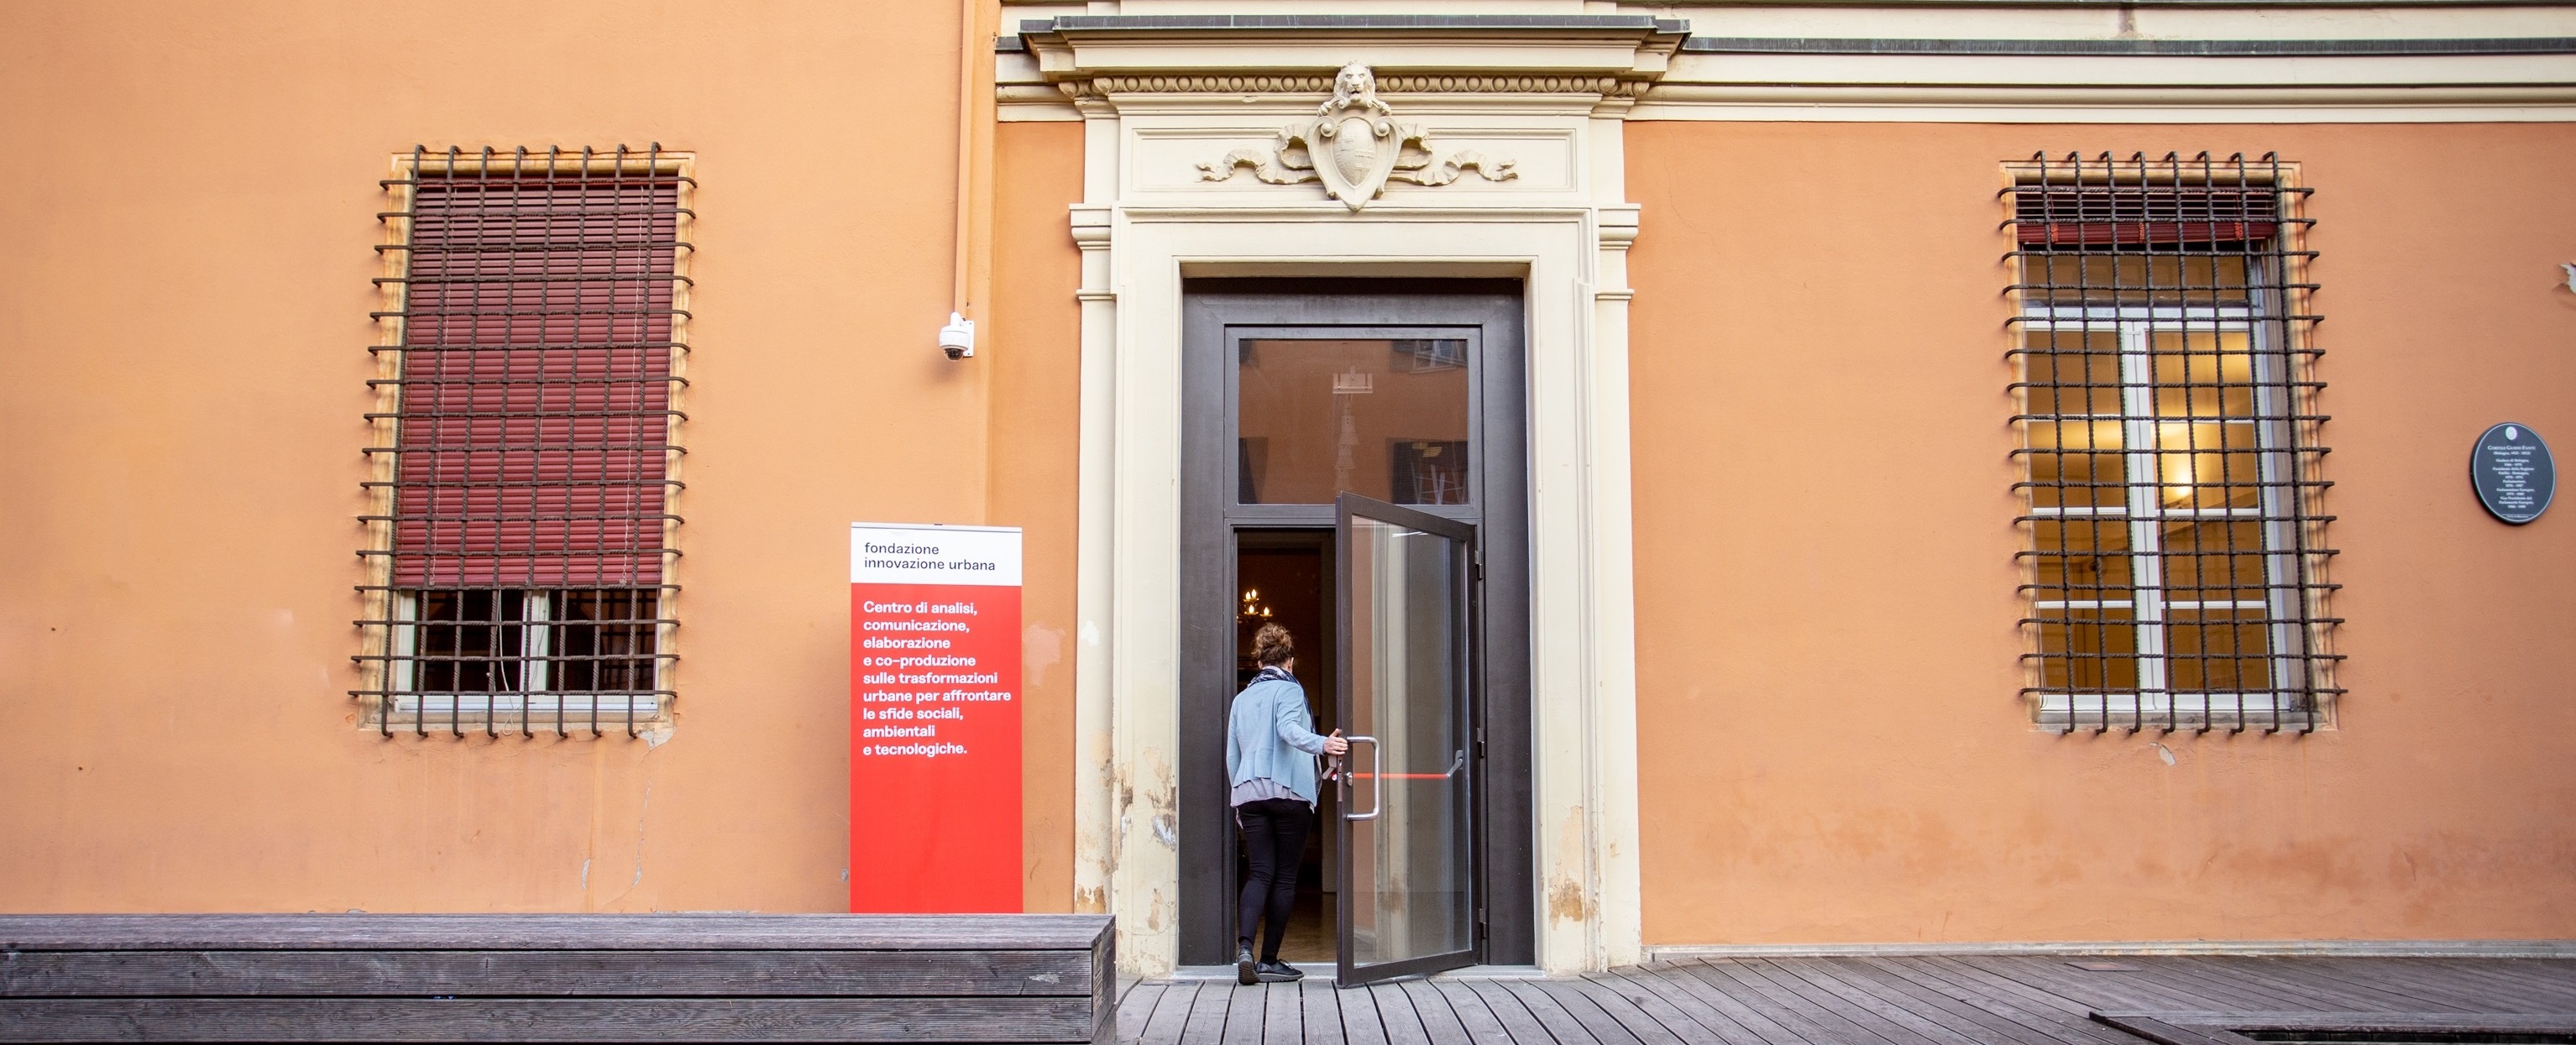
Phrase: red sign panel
x=934 y=719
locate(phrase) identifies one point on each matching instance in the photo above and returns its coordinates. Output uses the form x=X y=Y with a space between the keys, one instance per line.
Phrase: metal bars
x=526 y=442
x=2170 y=444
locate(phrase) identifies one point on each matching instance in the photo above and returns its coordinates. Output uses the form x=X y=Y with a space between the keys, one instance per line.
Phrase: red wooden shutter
x=536 y=380
x=2104 y=215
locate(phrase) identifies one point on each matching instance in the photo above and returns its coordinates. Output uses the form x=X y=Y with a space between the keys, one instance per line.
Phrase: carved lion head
x=1355 y=83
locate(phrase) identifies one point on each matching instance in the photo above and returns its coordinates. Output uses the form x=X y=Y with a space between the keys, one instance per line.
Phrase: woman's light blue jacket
x=1269 y=733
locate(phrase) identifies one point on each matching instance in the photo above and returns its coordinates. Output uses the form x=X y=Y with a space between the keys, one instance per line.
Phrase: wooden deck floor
x=1948 y=1000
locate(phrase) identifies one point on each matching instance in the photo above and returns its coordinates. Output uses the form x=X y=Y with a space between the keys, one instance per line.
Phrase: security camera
x=958 y=337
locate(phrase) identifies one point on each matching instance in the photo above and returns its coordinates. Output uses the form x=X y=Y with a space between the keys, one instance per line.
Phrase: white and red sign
x=934 y=719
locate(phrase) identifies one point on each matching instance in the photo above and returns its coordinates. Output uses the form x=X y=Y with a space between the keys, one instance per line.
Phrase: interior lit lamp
x=2178 y=483
x=2177 y=468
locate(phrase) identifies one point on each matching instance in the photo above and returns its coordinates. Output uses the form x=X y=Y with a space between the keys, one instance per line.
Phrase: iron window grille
x=2170 y=443
x=526 y=442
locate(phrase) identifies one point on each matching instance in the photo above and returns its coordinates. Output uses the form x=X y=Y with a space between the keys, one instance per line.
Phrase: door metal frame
x=1349 y=505
x=1215 y=312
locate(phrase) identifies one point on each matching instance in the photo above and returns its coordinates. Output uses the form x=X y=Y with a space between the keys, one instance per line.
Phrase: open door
x=1407 y=832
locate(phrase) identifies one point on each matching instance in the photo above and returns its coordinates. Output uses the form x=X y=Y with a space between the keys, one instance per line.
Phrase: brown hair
x=1271 y=645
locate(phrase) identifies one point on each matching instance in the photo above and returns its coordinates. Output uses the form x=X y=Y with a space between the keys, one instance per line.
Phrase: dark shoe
x=1278 y=972
x=1244 y=971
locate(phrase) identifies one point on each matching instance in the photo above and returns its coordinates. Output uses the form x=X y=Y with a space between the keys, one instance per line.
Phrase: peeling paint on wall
x=1565 y=900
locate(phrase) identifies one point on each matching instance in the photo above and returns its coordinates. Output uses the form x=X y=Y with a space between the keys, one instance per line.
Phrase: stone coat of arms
x=1353 y=145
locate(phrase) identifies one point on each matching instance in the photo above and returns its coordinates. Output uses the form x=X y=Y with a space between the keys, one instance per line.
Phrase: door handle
x=1377 y=781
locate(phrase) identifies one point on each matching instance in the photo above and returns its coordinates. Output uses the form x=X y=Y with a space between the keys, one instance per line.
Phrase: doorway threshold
x=1322 y=972
x=1493 y=972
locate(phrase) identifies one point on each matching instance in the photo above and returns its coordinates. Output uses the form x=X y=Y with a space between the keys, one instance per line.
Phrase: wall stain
x=1040 y=648
x=1565 y=900
x=1163 y=801
x=1125 y=789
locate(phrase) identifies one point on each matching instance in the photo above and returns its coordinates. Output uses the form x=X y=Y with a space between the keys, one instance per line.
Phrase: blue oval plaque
x=2513 y=472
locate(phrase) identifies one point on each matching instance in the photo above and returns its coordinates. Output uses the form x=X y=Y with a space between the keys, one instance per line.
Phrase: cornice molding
x=1067 y=25
x=1602 y=57
x=1394 y=83
x=2283 y=5
x=2147 y=48
x=1642 y=67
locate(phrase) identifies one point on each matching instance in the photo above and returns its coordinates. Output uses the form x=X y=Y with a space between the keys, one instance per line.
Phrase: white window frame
x=2136 y=327
x=530 y=699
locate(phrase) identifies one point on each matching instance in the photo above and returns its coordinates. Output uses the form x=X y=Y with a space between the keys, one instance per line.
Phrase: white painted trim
x=1837 y=103
x=1980 y=88
x=2246 y=948
x=2169 y=21
x=1834 y=112
x=2109 y=103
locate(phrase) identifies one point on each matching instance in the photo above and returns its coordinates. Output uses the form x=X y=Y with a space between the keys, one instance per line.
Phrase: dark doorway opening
x=1285 y=577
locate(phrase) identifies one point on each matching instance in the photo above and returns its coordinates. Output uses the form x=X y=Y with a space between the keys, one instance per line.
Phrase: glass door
x=1408 y=392
x=1406 y=827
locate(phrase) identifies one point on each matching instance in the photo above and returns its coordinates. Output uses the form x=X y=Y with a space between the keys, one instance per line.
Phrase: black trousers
x=1274 y=837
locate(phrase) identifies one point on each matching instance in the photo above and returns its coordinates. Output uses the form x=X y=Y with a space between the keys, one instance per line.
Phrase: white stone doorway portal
x=1157 y=104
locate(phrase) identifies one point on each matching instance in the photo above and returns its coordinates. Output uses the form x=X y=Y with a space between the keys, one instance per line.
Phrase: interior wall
x=1831 y=741
x=183 y=322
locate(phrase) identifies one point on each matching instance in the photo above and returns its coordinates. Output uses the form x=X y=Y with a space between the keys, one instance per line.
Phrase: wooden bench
x=554 y=977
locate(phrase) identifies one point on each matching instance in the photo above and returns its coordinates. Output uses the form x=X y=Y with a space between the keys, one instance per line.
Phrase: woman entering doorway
x=1270 y=749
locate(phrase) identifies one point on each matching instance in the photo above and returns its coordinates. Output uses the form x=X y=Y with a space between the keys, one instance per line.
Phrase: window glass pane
x=2217 y=651
x=2071 y=372
x=604 y=641
x=2083 y=559
x=2208 y=465
x=1386 y=418
x=468 y=641
x=2088 y=650
x=1429 y=471
x=2203 y=373
x=2213 y=561
x=2126 y=278
x=2076 y=464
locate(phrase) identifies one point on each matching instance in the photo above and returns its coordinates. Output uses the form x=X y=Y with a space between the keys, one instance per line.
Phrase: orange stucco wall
x=1036 y=355
x=183 y=315
x=1831 y=743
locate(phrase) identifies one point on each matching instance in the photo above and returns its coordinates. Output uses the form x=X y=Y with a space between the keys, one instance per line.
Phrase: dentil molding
x=1605 y=86
x=1116 y=59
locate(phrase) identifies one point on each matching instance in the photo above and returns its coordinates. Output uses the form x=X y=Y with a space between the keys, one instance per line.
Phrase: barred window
x=526 y=442
x=2170 y=444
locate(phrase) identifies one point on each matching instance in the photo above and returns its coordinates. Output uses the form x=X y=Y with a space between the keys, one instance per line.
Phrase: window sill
x=561 y=713
x=2197 y=712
